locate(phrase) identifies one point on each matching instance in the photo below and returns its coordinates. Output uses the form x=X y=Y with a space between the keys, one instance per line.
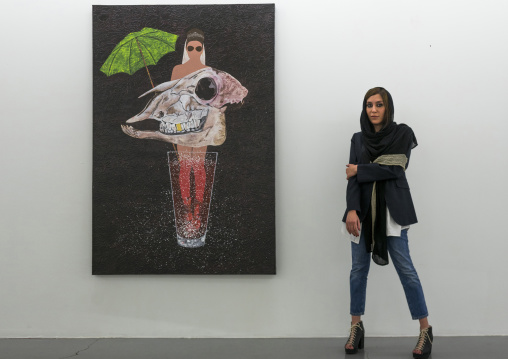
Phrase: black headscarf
x=393 y=138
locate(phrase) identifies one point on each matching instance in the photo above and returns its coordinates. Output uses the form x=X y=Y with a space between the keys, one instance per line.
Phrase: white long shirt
x=392 y=228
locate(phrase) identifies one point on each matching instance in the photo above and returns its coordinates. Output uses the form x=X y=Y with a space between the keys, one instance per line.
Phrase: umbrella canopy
x=139 y=49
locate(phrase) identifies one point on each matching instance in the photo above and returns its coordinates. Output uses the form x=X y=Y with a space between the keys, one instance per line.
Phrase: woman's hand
x=353 y=223
x=351 y=170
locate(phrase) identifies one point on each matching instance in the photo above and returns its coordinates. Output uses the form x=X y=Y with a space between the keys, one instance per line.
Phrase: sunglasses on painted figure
x=191 y=48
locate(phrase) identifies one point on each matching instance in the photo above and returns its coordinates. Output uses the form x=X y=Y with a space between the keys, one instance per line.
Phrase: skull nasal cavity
x=206 y=88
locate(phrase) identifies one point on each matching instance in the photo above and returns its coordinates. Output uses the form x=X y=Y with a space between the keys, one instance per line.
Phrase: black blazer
x=359 y=187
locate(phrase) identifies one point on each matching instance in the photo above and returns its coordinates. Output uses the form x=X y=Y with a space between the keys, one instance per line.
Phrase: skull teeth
x=196 y=115
x=190 y=125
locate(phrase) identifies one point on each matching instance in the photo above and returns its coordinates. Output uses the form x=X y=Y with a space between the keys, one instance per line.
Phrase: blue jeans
x=399 y=253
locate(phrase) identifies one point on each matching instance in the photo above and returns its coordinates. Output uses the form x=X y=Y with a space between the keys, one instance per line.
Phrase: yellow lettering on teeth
x=178 y=126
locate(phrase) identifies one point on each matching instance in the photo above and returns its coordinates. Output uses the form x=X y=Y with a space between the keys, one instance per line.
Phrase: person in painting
x=192 y=158
x=379 y=213
x=190 y=109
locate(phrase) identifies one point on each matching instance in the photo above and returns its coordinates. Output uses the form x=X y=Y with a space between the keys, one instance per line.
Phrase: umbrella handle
x=143 y=56
x=146 y=67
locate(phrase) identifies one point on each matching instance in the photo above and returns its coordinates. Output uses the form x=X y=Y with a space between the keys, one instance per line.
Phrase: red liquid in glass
x=191 y=214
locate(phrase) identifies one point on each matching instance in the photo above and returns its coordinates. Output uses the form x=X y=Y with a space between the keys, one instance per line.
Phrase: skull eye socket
x=206 y=89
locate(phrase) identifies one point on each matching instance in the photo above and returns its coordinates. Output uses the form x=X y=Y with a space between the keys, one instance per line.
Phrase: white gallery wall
x=445 y=64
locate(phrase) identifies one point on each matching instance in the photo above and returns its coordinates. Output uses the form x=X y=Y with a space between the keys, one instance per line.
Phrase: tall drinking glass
x=191 y=211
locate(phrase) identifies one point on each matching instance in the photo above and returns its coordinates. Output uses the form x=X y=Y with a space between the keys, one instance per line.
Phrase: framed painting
x=183 y=139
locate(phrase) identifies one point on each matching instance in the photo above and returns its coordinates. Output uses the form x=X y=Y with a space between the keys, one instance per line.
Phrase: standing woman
x=380 y=211
x=192 y=158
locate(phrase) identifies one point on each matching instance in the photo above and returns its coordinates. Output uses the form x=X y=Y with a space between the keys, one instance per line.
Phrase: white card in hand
x=349 y=236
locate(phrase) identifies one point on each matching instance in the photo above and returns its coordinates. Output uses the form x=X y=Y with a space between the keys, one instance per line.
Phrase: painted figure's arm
x=175 y=75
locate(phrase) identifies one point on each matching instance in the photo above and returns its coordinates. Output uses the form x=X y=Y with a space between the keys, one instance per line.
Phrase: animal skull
x=191 y=109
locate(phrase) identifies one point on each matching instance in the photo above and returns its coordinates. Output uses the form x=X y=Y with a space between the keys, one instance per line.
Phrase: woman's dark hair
x=388 y=118
x=195 y=34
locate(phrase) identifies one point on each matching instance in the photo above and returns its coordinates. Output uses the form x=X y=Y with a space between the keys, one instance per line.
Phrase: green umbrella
x=139 y=49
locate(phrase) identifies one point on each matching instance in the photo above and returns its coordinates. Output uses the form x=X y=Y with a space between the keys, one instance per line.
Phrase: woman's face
x=194 y=49
x=376 y=111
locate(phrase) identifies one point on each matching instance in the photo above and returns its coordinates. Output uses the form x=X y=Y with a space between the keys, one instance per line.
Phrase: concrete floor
x=375 y=348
